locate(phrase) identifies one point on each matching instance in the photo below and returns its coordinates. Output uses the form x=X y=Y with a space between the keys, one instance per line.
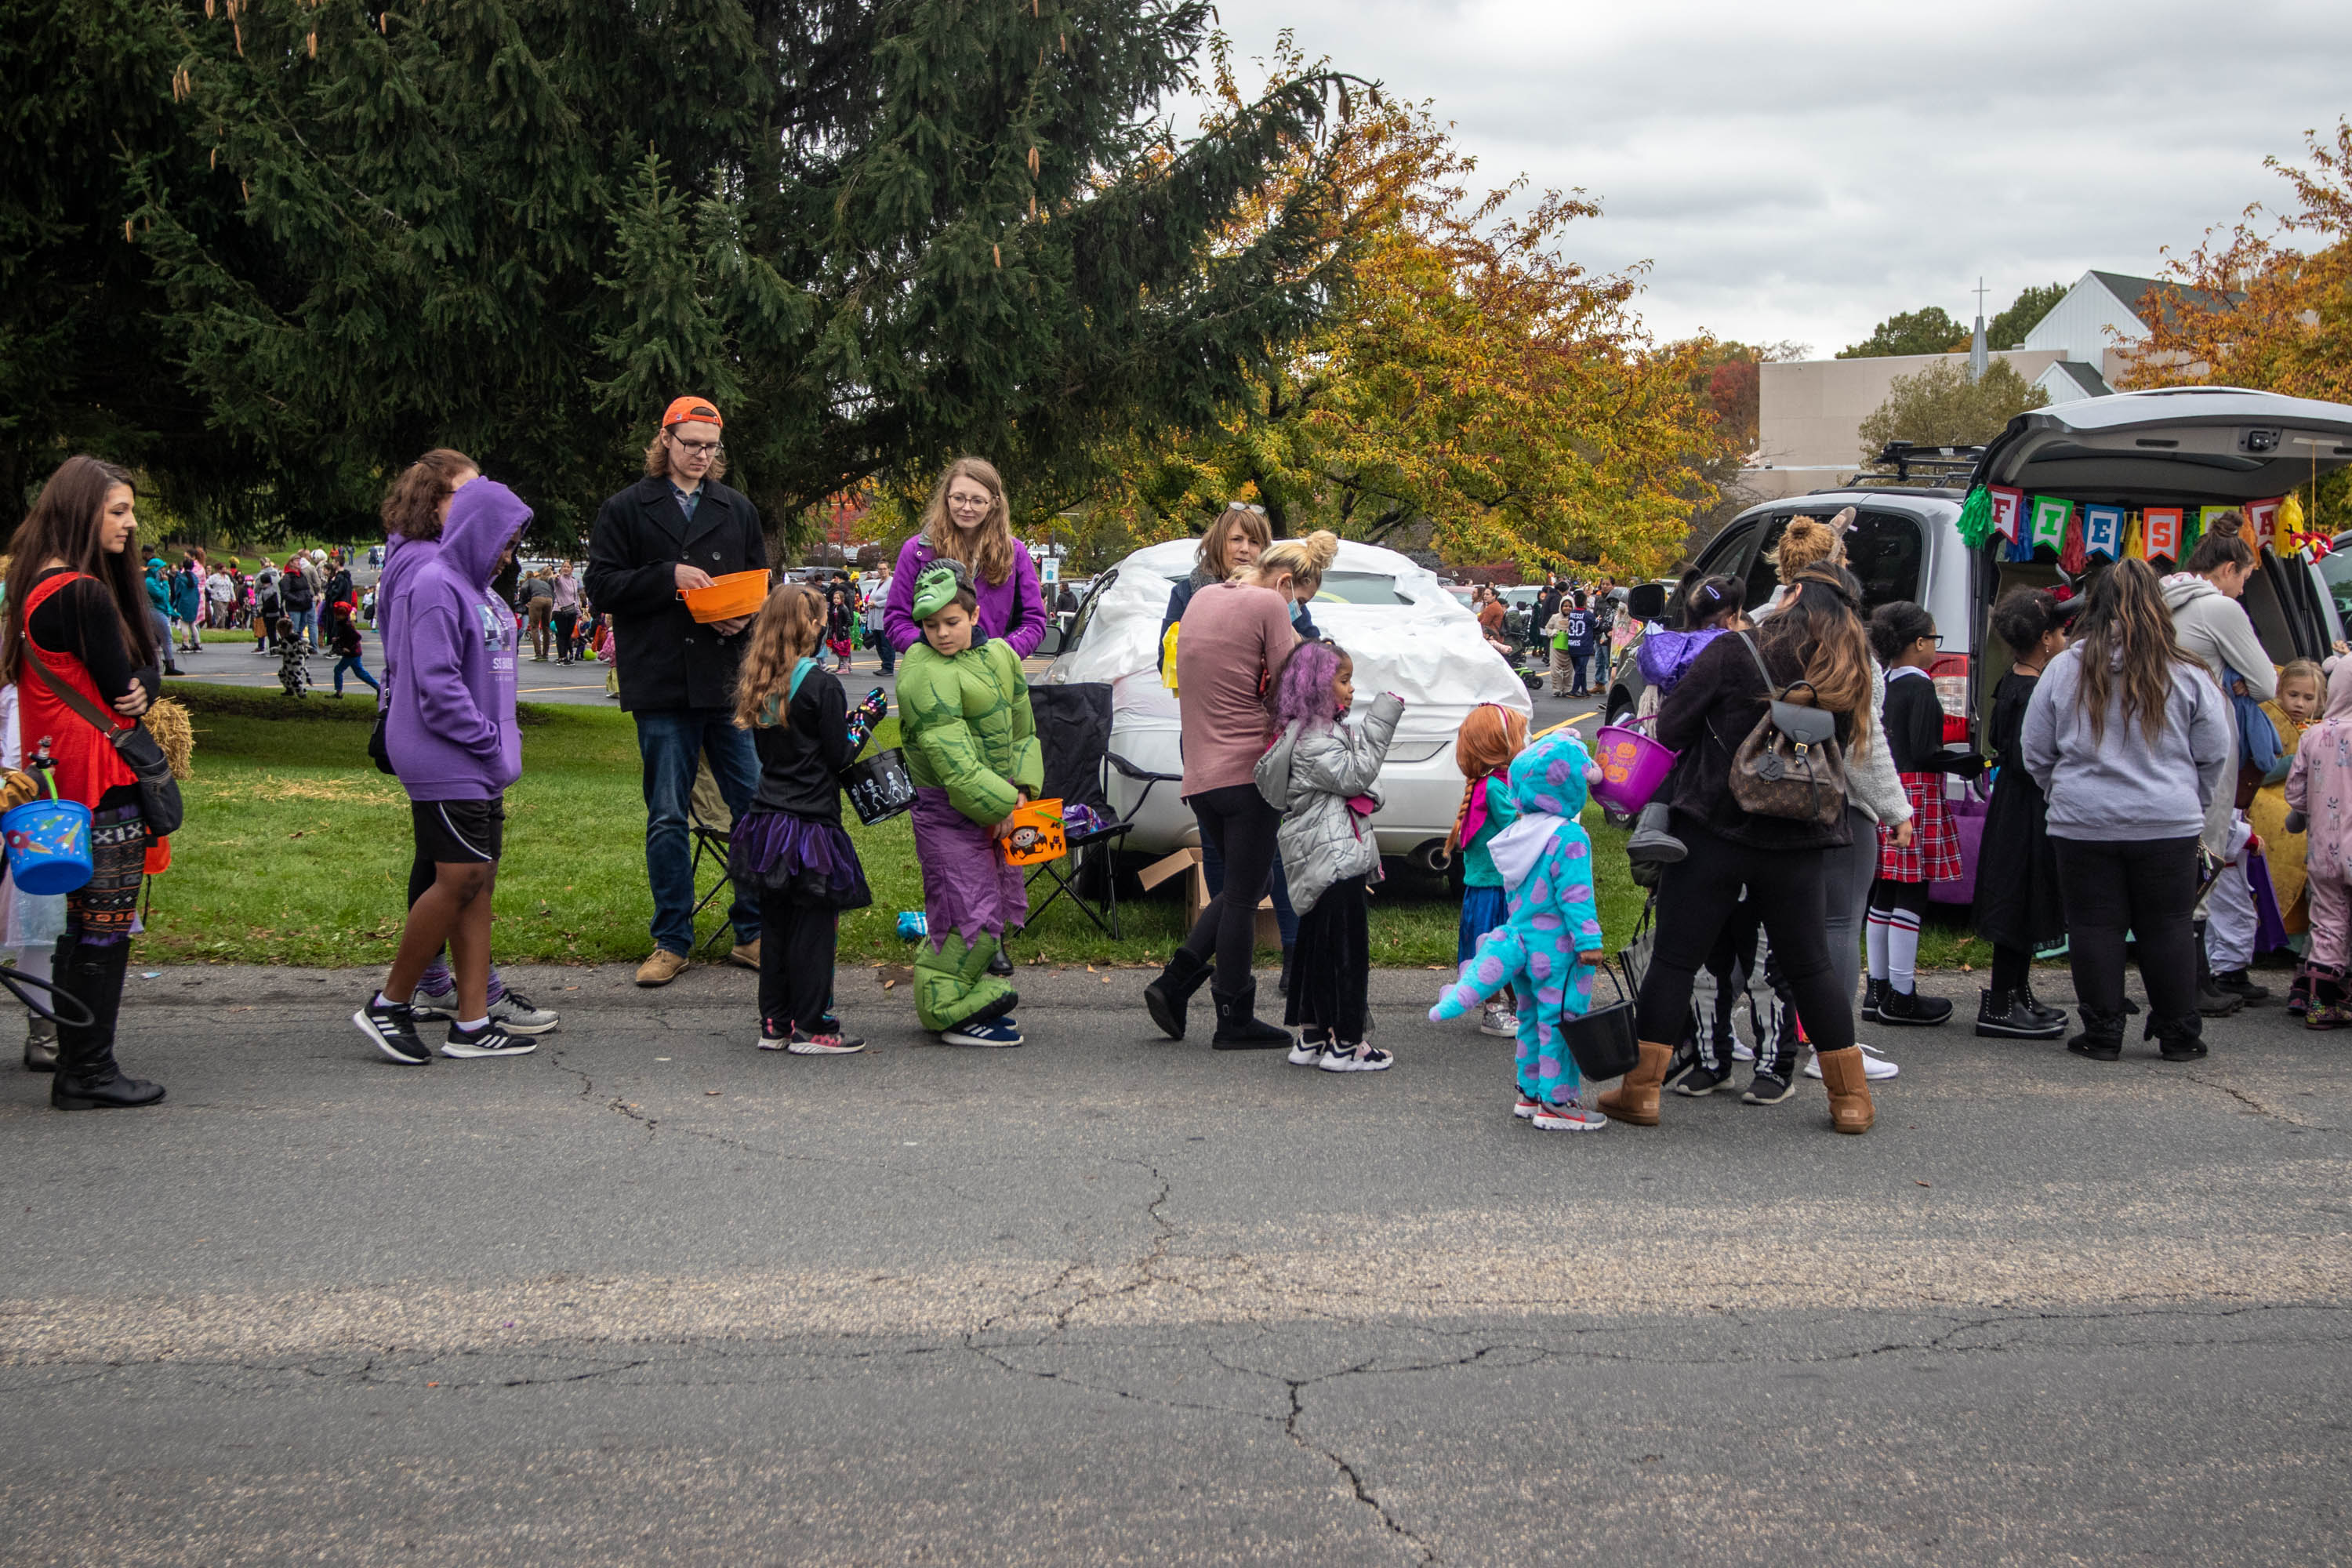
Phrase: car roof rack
x=1935 y=462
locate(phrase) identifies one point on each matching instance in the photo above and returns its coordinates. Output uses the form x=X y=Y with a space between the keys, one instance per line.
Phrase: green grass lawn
x=296 y=851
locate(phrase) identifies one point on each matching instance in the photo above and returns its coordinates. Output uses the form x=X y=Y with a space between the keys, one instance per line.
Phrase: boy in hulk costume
x=972 y=755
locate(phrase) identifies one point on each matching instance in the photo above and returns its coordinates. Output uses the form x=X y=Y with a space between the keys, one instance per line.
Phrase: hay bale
x=169 y=722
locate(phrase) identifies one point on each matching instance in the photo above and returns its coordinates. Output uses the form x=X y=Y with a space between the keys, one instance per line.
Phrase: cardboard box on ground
x=1196 y=893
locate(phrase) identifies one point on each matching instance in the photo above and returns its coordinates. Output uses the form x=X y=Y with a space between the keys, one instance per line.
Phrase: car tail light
x=1951 y=674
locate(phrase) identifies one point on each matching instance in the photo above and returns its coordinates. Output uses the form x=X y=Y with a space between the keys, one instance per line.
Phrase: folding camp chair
x=703 y=807
x=1074 y=731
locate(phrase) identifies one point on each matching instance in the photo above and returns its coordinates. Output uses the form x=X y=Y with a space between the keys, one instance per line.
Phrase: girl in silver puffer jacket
x=1320 y=773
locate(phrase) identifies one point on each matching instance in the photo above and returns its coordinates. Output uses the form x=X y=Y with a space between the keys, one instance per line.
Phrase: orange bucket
x=729 y=598
x=1035 y=835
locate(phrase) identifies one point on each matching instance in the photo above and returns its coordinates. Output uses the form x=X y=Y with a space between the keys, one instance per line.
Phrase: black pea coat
x=667 y=660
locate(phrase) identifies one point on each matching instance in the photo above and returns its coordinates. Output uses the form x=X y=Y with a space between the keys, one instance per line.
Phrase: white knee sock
x=1902 y=949
x=1873 y=943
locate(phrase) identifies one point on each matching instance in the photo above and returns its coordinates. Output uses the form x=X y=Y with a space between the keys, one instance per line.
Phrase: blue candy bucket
x=48 y=846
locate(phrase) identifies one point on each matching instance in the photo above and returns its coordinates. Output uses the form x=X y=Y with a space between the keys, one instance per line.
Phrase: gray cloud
x=1804 y=170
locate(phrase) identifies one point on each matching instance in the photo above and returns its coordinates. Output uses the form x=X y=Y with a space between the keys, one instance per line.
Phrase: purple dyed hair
x=1304 y=692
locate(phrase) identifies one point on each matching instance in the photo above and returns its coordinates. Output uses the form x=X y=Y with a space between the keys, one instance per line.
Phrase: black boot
x=2034 y=1004
x=2211 y=1000
x=2239 y=983
x=2177 y=1039
x=1001 y=965
x=1910 y=1008
x=1166 y=996
x=87 y=1078
x=2102 y=1039
x=41 y=1045
x=2006 y=1015
x=1238 y=1028
x=1874 y=997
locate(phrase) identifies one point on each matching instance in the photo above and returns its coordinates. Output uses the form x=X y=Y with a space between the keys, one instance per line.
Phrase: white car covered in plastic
x=1405 y=633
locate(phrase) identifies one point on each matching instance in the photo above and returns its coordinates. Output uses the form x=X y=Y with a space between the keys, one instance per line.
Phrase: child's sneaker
x=513 y=1009
x=834 y=1043
x=996 y=1032
x=1308 y=1049
x=492 y=1039
x=1526 y=1107
x=1767 y=1088
x=1568 y=1116
x=1498 y=1019
x=2327 y=1016
x=392 y=1025
x=774 y=1034
x=1340 y=1057
x=1701 y=1081
x=1875 y=1063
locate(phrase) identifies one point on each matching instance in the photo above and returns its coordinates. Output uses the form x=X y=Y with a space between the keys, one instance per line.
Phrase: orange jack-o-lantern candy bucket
x=1035 y=836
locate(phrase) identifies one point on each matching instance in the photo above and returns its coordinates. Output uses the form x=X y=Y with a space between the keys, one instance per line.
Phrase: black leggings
x=796 y=952
x=1699 y=893
x=2010 y=968
x=2149 y=887
x=1332 y=976
x=1237 y=820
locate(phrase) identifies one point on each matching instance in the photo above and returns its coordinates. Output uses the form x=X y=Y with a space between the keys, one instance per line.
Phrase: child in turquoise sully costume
x=971 y=741
x=1547 y=952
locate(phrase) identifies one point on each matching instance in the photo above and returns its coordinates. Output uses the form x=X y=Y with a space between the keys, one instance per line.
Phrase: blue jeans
x=672 y=740
x=356 y=668
x=879 y=641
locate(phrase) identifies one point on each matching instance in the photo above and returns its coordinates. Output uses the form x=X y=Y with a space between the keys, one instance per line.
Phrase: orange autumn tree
x=2292 y=330
x=1477 y=386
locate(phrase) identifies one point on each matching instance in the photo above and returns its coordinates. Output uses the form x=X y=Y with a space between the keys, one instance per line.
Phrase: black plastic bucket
x=877 y=785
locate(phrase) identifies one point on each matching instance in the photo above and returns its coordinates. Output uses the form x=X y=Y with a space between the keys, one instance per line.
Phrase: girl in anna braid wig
x=1490 y=738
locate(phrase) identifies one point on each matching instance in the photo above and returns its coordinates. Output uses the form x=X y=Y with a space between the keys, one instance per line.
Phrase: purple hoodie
x=1666 y=655
x=452 y=732
x=1001 y=604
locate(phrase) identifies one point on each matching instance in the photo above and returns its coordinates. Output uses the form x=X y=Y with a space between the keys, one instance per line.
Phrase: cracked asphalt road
x=652 y=1293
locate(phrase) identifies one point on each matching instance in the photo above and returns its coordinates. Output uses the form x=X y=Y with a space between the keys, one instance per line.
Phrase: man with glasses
x=676 y=529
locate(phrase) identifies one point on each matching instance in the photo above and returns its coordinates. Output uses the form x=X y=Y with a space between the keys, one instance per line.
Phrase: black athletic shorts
x=454 y=831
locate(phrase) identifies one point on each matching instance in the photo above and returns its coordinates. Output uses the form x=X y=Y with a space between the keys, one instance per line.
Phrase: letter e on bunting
x=2103 y=532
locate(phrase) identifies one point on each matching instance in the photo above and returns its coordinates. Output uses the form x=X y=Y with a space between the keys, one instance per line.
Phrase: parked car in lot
x=2192 y=447
x=1406 y=632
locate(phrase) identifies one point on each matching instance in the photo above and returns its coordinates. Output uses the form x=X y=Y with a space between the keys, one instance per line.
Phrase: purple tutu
x=813 y=862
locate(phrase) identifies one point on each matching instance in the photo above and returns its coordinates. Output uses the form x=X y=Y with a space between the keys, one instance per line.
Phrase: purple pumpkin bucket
x=1633 y=766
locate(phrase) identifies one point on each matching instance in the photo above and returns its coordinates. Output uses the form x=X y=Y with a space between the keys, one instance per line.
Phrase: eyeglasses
x=700 y=449
x=1244 y=506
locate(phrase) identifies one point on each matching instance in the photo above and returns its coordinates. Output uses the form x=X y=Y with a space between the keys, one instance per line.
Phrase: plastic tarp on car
x=1427 y=649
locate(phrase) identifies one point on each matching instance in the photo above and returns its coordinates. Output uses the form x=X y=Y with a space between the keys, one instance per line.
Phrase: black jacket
x=1705 y=717
x=801 y=759
x=666 y=661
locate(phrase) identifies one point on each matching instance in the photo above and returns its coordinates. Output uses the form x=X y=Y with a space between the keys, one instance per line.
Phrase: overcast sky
x=1800 y=170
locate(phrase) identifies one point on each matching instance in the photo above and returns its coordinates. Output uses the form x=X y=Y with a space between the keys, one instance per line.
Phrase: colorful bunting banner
x=2008 y=510
x=2262 y=522
x=2050 y=516
x=2103 y=532
x=2163 y=532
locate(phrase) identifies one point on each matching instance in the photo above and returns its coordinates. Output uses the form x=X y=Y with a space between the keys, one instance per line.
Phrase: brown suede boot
x=1849 y=1107
x=1635 y=1098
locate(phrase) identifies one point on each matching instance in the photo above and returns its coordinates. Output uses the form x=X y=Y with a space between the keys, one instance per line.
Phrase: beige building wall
x=1809 y=412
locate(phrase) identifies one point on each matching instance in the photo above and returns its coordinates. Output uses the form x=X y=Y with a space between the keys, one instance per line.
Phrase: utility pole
x=1977 y=356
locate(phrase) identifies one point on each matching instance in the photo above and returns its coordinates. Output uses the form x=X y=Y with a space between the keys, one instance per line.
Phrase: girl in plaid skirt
x=1903 y=637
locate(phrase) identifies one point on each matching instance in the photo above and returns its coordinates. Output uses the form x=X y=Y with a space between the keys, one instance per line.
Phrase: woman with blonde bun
x=1806 y=542
x=1229 y=650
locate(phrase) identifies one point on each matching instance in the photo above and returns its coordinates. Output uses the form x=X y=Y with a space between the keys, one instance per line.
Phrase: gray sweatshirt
x=2214 y=631
x=2121 y=788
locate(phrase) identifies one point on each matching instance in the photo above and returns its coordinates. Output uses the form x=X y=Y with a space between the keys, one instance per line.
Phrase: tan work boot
x=1635 y=1098
x=746 y=956
x=660 y=967
x=1844 y=1074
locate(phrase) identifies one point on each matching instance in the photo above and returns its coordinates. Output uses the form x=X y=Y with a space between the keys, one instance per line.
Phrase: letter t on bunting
x=2164 y=533
x=2050 y=515
x=2103 y=532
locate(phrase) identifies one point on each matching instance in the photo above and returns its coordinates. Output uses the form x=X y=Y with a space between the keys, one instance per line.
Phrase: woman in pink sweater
x=1235 y=638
